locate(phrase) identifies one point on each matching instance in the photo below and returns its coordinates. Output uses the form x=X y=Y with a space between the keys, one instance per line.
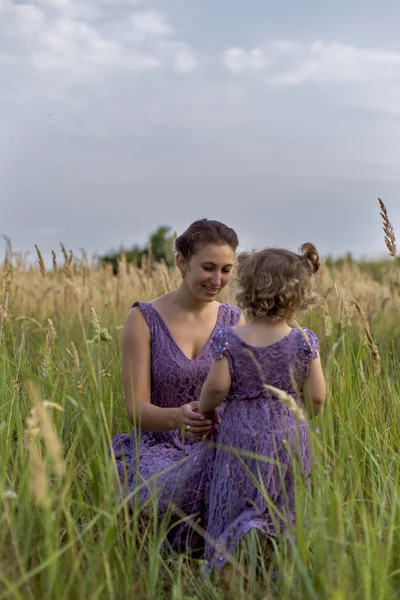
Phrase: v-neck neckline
x=174 y=340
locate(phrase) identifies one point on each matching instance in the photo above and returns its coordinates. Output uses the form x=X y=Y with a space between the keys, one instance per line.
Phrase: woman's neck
x=185 y=300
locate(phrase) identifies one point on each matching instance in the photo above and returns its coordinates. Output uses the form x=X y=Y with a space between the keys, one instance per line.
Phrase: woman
x=166 y=359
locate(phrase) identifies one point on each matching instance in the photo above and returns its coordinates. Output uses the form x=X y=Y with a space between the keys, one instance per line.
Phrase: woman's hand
x=192 y=422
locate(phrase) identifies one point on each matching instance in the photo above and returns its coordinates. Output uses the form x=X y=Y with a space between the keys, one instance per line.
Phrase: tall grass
x=63 y=530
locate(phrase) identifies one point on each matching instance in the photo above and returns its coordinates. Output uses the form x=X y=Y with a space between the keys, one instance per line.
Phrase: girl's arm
x=216 y=386
x=242 y=320
x=314 y=387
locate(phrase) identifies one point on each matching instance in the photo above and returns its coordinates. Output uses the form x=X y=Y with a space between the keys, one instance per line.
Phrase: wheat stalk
x=8 y=253
x=47 y=429
x=53 y=443
x=95 y=321
x=327 y=317
x=46 y=357
x=39 y=478
x=63 y=250
x=288 y=401
x=51 y=332
x=7 y=291
x=72 y=285
x=39 y=422
x=49 y=341
x=85 y=279
x=42 y=266
x=68 y=270
x=346 y=311
x=29 y=319
x=376 y=359
x=54 y=257
x=75 y=357
x=390 y=238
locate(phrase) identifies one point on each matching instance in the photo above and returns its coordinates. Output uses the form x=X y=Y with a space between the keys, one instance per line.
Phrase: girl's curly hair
x=277 y=283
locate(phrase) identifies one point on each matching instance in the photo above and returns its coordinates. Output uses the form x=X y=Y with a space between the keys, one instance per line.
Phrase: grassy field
x=63 y=533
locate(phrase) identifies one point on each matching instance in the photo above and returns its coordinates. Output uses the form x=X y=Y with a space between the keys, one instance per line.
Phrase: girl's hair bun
x=310 y=254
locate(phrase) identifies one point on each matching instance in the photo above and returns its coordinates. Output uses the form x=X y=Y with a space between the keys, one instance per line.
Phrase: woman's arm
x=314 y=387
x=136 y=374
x=216 y=386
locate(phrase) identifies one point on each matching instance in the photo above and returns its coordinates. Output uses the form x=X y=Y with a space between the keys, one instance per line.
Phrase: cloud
x=239 y=60
x=71 y=44
x=291 y=63
x=89 y=39
x=150 y=23
x=342 y=63
x=185 y=61
x=27 y=18
x=112 y=105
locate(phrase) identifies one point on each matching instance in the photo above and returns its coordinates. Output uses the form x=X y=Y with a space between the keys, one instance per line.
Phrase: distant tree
x=161 y=243
x=377 y=269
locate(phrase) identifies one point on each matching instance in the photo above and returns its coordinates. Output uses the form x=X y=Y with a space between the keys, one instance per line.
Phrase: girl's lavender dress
x=164 y=463
x=256 y=421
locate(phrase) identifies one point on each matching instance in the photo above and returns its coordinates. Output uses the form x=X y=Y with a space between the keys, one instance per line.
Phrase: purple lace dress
x=255 y=421
x=164 y=463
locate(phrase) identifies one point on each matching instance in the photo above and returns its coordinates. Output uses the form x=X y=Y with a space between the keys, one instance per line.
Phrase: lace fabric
x=167 y=464
x=239 y=491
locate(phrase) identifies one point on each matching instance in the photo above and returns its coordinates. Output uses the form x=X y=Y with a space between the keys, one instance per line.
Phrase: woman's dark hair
x=204 y=232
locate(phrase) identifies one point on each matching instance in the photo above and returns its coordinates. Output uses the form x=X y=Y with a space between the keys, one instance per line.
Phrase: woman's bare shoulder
x=164 y=301
x=136 y=324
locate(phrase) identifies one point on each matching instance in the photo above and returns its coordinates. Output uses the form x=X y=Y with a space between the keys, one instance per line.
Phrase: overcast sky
x=280 y=118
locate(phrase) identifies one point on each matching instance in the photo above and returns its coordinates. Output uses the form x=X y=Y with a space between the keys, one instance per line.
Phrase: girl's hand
x=213 y=416
x=191 y=421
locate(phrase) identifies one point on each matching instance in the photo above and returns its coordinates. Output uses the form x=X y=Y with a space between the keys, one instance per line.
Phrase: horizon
x=32 y=257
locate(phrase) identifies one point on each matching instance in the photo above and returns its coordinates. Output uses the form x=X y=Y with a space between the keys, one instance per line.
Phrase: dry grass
x=63 y=532
x=63 y=292
x=390 y=238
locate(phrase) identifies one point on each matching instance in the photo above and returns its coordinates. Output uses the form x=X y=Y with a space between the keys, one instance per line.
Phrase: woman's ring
x=187 y=427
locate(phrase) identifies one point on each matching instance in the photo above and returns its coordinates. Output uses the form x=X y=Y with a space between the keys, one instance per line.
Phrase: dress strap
x=147 y=312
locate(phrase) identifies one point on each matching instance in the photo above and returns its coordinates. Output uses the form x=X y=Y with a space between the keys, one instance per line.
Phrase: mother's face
x=209 y=271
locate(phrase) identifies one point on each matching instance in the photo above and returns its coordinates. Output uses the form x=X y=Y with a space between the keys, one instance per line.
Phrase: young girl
x=245 y=493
